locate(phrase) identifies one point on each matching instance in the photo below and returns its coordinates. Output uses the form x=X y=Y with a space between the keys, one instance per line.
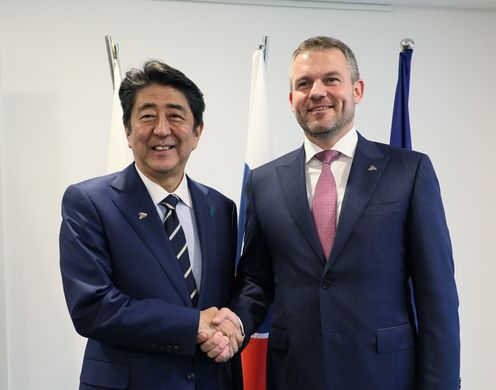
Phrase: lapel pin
x=372 y=168
x=142 y=215
x=211 y=212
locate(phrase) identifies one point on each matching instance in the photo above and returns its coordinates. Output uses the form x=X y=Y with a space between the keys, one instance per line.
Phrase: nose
x=318 y=90
x=162 y=128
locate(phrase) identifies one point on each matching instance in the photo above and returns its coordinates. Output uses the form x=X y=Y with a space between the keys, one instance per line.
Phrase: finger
x=222 y=314
x=201 y=337
x=219 y=348
x=224 y=356
x=212 y=342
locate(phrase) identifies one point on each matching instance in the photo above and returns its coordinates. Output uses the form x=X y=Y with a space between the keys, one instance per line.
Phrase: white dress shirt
x=340 y=167
x=186 y=215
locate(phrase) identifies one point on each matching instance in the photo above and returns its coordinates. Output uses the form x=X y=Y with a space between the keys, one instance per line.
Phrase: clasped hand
x=219 y=333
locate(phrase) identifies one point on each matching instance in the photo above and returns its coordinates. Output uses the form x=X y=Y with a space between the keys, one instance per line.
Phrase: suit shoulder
x=401 y=153
x=210 y=191
x=283 y=160
x=95 y=183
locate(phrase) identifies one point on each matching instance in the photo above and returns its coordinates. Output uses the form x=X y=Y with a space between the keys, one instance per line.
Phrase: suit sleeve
x=254 y=287
x=432 y=270
x=99 y=310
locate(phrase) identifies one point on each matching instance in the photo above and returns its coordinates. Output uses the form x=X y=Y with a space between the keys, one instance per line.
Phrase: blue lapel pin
x=211 y=212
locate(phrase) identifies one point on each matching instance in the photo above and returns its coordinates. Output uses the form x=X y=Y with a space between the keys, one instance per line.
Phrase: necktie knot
x=327 y=156
x=170 y=201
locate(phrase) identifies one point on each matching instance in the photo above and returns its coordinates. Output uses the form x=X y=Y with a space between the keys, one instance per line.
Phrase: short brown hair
x=325 y=43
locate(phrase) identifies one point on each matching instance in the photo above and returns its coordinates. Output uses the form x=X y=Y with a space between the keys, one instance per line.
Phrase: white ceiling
x=489 y=5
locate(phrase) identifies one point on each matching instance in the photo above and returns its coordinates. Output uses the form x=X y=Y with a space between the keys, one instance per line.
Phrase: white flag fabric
x=119 y=154
x=258 y=147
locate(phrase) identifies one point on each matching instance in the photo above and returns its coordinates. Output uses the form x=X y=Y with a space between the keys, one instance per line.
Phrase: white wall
x=3 y=310
x=57 y=94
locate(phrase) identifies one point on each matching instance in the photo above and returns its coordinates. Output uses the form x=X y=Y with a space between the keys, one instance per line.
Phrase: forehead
x=160 y=96
x=317 y=62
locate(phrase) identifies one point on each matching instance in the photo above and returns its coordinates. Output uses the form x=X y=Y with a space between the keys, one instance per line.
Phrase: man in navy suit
x=142 y=292
x=347 y=318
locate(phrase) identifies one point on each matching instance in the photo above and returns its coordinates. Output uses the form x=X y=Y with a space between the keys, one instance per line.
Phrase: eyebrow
x=173 y=106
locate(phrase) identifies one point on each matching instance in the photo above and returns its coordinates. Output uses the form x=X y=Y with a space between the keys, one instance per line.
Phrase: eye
x=147 y=117
x=175 y=117
x=303 y=84
x=331 y=80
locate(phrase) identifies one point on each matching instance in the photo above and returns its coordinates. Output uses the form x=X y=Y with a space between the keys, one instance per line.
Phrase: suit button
x=326 y=284
x=173 y=348
x=190 y=376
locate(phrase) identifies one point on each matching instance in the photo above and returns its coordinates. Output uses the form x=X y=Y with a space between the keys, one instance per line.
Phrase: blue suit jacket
x=125 y=291
x=347 y=323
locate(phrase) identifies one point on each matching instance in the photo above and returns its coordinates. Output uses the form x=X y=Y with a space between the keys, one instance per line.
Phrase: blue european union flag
x=400 y=127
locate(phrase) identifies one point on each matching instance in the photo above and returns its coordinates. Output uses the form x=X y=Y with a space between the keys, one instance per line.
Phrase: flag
x=119 y=154
x=400 y=127
x=258 y=152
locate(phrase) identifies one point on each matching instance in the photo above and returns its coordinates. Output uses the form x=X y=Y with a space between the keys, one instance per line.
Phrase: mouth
x=160 y=148
x=319 y=108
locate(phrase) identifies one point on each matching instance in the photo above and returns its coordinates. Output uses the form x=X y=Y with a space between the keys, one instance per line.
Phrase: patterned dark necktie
x=179 y=246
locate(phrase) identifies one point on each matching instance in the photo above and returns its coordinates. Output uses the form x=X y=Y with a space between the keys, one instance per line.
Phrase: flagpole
x=113 y=57
x=407 y=44
x=265 y=47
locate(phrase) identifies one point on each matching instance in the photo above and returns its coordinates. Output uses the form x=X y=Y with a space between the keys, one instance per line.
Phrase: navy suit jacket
x=347 y=322
x=126 y=293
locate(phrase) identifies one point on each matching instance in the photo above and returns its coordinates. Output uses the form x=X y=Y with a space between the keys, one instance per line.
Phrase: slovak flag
x=258 y=152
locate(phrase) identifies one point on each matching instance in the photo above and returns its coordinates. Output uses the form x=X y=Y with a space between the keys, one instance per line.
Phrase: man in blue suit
x=343 y=317
x=147 y=254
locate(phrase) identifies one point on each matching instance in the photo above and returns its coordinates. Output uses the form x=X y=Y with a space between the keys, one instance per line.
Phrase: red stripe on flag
x=254 y=359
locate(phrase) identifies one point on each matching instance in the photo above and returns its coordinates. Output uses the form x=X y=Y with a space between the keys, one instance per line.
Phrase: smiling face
x=162 y=134
x=323 y=95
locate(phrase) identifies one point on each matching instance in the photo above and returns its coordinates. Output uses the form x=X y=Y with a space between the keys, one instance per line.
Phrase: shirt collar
x=158 y=194
x=346 y=146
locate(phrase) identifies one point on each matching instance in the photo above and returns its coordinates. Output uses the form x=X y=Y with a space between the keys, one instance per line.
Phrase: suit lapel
x=366 y=170
x=293 y=185
x=204 y=210
x=136 y=206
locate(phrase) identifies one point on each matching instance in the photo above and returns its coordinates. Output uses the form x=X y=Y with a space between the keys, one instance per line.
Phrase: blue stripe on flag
x=242 y=213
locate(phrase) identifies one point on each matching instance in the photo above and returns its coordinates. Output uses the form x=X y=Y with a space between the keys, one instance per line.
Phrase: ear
x=127 y=130
x=197 y=131
x=291 y=100
x=358 y=89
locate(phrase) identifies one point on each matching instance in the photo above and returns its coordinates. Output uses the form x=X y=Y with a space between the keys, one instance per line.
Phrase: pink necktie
x=324 y=202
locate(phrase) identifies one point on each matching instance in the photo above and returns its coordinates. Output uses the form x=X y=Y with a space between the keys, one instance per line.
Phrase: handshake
x=220 y=333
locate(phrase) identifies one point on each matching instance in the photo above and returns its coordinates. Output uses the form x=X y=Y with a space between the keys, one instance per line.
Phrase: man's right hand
x=219 y=333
